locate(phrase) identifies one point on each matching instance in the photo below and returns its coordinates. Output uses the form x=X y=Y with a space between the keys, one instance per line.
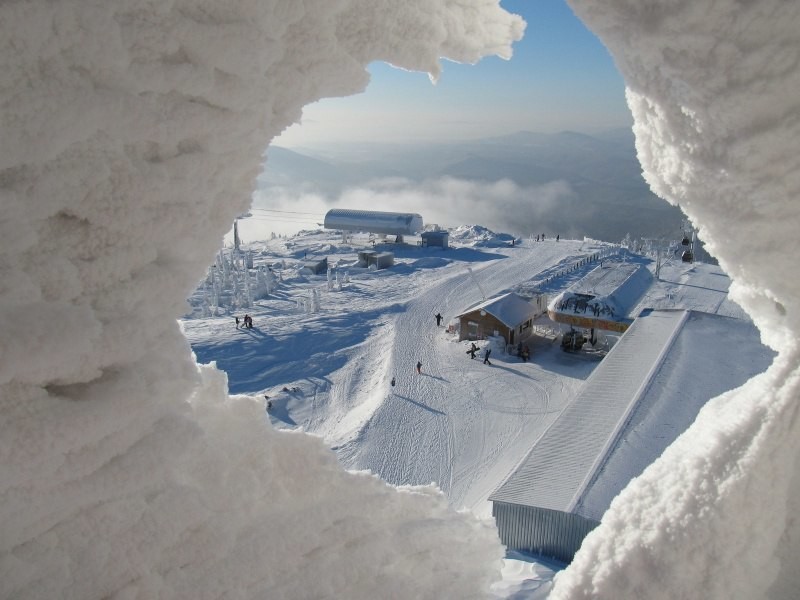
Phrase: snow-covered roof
x=510 y=309
x=646 y=392
x=613 y=287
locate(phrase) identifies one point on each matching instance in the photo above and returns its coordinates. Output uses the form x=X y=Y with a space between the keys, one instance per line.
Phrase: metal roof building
x=387 y=223
x=434 y=239
x=645 y=393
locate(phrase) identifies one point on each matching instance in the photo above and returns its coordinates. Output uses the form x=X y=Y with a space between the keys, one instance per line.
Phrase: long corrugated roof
x=562 y=463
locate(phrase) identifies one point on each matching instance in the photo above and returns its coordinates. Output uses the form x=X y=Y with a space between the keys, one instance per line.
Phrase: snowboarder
x=237 y=322
x=486 y=356
x=393 y=382
x=558 y=236
x=419 y=368
x=472 y=350
x=439 y=318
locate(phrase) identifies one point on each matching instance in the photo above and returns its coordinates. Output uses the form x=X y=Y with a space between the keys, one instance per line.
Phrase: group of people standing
x=247 y=322
x=541 y=235
x=473 y=350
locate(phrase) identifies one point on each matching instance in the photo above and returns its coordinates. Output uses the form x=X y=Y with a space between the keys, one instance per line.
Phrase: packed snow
x=343 y=366
x=131 y=138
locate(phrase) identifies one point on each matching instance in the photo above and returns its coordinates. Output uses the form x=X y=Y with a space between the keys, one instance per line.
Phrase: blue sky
x=561 y=77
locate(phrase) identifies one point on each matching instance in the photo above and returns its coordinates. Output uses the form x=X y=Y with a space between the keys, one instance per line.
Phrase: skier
x=439 y=318
x=486 y=356
x=393 y=382
x=237 y=322
x=558 y=236
x=419 y=368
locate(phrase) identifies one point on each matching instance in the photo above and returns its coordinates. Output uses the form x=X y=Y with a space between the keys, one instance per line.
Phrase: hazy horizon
x=560 y=77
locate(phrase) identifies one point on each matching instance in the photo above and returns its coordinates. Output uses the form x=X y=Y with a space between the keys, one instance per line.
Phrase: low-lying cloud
x=503 y=205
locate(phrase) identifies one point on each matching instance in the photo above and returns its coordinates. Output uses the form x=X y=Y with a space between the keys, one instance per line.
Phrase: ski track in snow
x=440 y=426
x=460 y=424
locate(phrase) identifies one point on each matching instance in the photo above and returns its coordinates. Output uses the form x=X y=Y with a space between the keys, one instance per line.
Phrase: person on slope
x=419 y=368
x=486 y=356
x=439 y=318
x=472 y=350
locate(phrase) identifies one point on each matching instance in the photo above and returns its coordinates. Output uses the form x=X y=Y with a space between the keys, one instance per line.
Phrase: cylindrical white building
x=388 y=223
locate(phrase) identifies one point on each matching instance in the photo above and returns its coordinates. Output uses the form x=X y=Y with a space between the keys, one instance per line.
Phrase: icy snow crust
x=132 y=133
x=131 y=136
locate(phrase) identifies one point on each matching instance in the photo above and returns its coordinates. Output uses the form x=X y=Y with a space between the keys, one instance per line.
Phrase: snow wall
x=132 y=133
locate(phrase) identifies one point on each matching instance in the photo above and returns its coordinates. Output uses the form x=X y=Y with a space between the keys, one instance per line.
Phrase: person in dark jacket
x=419 y=367
x=486 y=356
x=439 y=318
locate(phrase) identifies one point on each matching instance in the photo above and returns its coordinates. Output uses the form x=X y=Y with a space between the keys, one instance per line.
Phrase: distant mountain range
x=610 y=198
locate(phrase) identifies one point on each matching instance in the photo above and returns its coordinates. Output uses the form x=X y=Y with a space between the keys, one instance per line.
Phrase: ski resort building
x=644 y=394
x=369 y=221
x=381 y=260
x=434 y=239
x=602 y=299
x=509 y=316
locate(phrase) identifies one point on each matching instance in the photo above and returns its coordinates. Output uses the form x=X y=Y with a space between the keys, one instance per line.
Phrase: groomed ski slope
x=460 y=423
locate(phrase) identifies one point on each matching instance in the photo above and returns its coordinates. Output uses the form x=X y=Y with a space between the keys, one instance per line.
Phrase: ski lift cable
x=291 y=212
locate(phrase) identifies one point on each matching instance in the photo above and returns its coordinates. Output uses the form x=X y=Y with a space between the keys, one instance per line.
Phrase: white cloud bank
x=448 y=201
x=132 y=133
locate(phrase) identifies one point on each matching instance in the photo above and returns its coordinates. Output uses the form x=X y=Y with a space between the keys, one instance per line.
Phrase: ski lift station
x=370 y=221
x=602 y=299
x=645 y=393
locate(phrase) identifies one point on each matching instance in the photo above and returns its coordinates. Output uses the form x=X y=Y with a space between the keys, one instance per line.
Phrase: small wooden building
x=509 y=315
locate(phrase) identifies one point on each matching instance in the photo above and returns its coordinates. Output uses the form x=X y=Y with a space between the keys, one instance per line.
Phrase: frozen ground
x=461 y=424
